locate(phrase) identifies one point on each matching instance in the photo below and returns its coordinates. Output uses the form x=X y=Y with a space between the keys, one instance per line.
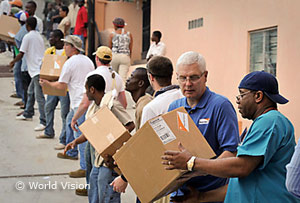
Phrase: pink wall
x=223 y=41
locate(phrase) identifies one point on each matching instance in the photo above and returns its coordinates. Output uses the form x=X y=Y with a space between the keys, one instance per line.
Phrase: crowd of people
x=258 y=167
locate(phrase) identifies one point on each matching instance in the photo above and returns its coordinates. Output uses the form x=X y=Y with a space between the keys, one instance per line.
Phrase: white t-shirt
x=5 y=7
x=39 y=25
x=59 y=51
x=160 y=104
x=110 y=84
x=33 y=48
x=158 y=49
x=73 y=73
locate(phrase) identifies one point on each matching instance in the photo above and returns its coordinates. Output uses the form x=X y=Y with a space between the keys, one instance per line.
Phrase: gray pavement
x=31 y=163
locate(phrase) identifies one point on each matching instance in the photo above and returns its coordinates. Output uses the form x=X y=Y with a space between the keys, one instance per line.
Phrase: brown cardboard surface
x=105 y=132
x=8 y=25
x=50 y=70
x=140 y=158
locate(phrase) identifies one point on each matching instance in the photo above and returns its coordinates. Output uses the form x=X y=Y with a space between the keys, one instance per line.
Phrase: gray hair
x=191 y=57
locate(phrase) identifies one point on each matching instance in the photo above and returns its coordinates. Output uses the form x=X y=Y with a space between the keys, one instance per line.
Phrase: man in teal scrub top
x=257 y=173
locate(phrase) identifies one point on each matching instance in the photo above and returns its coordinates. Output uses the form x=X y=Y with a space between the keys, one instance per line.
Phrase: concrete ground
x=29 y=168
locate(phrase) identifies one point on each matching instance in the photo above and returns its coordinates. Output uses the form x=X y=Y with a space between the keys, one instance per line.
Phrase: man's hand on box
x=44 y=82
x=176 y=159
x=119 y=185
x=109 y=162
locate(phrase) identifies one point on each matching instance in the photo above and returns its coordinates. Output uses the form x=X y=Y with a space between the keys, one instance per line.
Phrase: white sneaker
x=21 y=117
x=59 y=146
x=40 y=127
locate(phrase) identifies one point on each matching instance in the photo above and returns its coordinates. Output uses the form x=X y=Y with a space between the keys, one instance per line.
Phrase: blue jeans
x=89 y=159
x=50 y=106
x=100 y=190
x=69 y=138
x=18 y=80
x=35 y=90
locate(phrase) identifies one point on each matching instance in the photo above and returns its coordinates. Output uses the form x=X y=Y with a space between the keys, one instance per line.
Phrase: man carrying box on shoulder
x=101 y=175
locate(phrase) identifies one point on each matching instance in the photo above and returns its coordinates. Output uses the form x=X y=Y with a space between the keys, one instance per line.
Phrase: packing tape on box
x=95 y=120
x=110 y=138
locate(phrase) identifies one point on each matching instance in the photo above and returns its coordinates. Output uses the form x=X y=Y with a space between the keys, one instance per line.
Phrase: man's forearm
x=18 y=57
x=228 y=167
x=83 y=106
x=81 y=139
x=58 y=85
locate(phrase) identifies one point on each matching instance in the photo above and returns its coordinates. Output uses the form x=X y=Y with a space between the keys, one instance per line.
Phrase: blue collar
x=203 y=100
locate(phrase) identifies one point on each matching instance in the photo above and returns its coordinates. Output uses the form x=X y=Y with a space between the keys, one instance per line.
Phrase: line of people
x=250 y=164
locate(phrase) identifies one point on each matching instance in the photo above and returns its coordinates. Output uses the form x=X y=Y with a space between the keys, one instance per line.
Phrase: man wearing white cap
x=72 y=77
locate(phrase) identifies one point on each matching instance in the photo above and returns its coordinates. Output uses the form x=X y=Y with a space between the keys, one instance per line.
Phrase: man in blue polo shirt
x=213 y=114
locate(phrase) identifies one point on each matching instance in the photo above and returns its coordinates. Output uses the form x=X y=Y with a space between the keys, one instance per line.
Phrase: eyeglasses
x=192 y=78
x=240 y=96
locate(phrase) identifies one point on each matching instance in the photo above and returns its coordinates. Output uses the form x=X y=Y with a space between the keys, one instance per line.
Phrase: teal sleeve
x=262 y=139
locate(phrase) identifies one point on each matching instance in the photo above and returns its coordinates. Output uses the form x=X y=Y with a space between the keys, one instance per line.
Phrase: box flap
x=140 y=158
x=104 y=130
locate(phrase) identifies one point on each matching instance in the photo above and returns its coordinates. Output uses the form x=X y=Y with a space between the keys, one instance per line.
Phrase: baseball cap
x=104 y=52
x=22 y=16
x=119 y=22
x=17 y=3
x=263 y=81
x=75 y=41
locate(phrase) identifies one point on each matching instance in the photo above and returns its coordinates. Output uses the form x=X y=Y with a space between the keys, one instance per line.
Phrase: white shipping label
x=162 y=130
x=56 y=65
x=183 y=121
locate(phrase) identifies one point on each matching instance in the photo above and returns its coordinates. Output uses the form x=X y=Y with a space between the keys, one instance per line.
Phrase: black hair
x=33 y=3
x=65 y=9
x=96 y=81
x=161 y=69
x=157 y=34
x=58 y=33
x=104 y=62
x=31 y=22
x=143 y=75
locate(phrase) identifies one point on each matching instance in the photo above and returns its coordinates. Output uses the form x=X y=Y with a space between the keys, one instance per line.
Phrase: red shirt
x=82 y=18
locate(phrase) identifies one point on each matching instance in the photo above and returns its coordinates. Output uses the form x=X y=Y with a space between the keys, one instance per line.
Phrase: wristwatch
x=190 y=163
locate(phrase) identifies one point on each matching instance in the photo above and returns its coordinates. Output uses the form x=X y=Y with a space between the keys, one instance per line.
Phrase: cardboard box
x=140 y=158
x=105 y=132
x=9 y=28
x=50 y=70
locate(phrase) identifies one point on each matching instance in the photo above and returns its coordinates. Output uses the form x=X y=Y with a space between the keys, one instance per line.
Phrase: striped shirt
x=293 y=173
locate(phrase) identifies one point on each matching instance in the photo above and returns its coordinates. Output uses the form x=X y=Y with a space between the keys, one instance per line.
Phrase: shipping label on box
x=50 y=70
x=140 y=158
x=105 y=132
x=10 y=26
